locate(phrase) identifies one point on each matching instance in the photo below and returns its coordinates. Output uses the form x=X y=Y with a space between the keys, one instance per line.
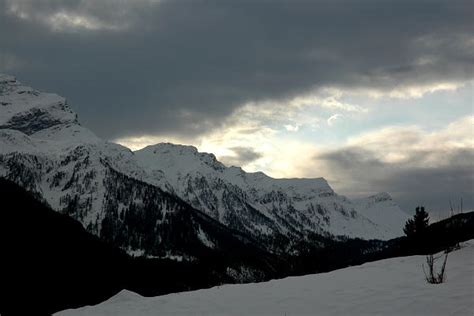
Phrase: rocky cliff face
x=30 y=111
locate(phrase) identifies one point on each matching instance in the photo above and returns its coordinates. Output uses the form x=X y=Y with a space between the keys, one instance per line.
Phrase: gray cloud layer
x=181 y=67
x=242 y=156
x=412 y=182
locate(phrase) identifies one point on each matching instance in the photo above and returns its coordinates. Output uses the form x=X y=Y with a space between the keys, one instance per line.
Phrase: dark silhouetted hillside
x=50 y=262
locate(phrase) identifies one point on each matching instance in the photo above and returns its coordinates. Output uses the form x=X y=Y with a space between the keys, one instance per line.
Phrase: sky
x=371 y=95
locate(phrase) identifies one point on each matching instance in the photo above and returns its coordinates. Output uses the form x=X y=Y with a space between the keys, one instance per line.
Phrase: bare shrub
x=456 y=209
x=431 y=275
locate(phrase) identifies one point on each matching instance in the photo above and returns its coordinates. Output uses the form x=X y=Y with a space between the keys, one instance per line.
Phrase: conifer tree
x=418 y=223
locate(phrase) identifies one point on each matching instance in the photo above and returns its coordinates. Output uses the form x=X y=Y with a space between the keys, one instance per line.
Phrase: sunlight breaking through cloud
x=62 y=21
x=414 y=91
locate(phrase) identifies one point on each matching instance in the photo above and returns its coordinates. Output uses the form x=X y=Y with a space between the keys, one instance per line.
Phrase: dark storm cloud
x=182 y=67
x=412 y=182
x=242 y=156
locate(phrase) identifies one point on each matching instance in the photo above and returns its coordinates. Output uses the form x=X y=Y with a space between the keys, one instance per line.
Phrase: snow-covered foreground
x=387 y=287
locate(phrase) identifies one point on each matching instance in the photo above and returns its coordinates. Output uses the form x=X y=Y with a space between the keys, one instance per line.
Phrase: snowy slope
x=44 y=148
x=19 y=104
x=388 y=287
x=382 y=210
x=285 y=206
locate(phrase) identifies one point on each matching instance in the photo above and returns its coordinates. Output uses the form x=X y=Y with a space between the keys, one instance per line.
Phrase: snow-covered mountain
x=45 y=150
x=260 y=205
x=133 y=199
x=383 y=211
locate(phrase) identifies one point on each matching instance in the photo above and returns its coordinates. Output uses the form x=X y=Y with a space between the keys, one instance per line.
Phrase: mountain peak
x=183 y=157
x=171 y=148
x=28 y=110
x=380 y=197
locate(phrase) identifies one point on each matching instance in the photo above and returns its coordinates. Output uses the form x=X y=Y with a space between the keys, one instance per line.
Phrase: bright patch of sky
x=369 y=140
x=431 y=111
x=322 y=121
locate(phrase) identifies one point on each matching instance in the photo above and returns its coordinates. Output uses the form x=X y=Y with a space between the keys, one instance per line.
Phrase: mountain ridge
x=74 y=170
x=202 y=181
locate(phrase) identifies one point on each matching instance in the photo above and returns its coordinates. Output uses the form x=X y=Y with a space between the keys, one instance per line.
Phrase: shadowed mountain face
x=50 y=262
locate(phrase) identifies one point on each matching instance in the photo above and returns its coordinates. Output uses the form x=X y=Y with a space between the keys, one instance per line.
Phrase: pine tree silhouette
x=418 y=223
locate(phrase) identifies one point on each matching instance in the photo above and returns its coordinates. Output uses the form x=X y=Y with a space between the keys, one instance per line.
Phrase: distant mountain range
x=166 y=200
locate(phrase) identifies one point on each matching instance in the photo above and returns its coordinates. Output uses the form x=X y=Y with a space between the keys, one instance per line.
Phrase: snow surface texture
x=44 y=148
x=387 y=287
